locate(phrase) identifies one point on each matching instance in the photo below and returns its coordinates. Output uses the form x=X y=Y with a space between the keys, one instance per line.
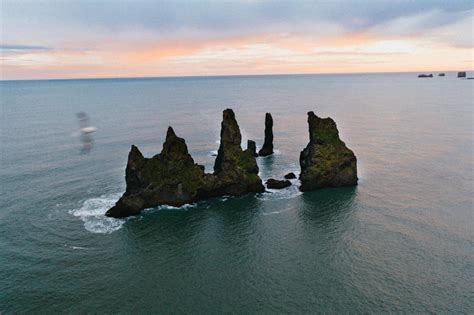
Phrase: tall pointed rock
x=326 y=161
x=267 y=148
x=235 y=169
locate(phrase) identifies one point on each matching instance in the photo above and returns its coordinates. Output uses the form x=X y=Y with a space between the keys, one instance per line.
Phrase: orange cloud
x=257 y=54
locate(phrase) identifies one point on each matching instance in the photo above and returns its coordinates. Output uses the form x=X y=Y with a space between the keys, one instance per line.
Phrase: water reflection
x=328 y=206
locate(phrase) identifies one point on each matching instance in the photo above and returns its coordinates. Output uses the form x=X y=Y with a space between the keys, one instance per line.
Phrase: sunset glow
x=42 y=40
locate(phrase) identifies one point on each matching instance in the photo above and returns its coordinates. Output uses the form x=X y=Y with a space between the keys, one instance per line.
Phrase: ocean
x=401 y=241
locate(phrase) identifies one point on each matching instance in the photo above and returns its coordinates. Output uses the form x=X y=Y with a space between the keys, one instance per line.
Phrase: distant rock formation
x=172 y=177
x=267 y=148
x=252 y=146
x=290 y=176
x=277 y=184
x=462 y=74
x=425 y=75
x=326 y=161
x=441 y=75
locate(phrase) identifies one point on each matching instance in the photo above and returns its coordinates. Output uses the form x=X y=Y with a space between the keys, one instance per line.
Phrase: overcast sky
x=75 y=39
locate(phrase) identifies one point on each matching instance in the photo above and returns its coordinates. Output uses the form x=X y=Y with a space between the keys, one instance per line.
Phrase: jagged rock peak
x=230 y=132
x=252 y=147
x=322 y=130
x=134 y=154
x=172 y=177
x=267 y=148
x=175 y=147
x=326 y=161
x=229 y=149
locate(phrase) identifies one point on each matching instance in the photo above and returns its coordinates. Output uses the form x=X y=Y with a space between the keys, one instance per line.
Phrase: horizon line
x=227 y=75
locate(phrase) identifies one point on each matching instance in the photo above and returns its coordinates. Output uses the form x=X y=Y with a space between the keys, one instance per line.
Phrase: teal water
x=401 y=241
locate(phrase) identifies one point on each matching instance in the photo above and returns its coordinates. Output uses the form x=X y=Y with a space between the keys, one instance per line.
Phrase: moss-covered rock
x=236 y=171
x=172 y=177
x=326 y=161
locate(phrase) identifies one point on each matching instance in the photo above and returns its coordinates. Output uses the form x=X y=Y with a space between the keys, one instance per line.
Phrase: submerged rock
x=252 y=146
x=290 y=176
x=267 y=148
x=172 y=177
x=326 y=161
x=277 y=184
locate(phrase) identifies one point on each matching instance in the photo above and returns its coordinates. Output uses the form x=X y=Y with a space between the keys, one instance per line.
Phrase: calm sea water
x=401 y=241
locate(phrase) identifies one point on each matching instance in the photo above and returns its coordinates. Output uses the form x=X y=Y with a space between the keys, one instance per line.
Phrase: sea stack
x=462 y=74
x=326 y=161
x=235 y=170
x=172 y=177
x=267 y=148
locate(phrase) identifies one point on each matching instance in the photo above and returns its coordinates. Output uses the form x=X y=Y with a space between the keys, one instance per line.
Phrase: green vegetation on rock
x=326 y=161
x=172 y=177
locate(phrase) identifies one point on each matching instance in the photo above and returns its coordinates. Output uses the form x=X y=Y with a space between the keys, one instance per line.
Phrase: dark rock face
x=277 y=184
x=326 y=161
x=267 y=148
x=252 y=146
x=290 y=176
x=172 y=177
x=425 y=75
x=235 y=170
x=462 y=74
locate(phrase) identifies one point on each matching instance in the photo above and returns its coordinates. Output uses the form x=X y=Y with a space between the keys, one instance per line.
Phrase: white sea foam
x=184 y=207
x=277 y=212
x=92 y=213
x=279 y=194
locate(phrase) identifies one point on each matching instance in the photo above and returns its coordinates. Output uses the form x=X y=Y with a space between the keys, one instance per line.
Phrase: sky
x=104 y=38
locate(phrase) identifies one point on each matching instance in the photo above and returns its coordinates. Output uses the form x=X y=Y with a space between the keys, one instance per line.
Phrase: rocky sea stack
x=326 y=161
x=267 y=148
x=172 y=177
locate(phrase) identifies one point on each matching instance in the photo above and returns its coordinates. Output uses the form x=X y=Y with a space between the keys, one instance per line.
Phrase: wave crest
x=92 y=213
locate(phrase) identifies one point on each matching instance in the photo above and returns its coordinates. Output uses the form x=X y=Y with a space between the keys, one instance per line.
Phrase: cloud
x=46 y=21
x=23 y=47
x=210 y=36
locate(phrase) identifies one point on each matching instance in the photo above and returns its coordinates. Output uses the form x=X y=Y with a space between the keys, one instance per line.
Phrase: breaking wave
x=166 y=207
x=285 y=193
x=92 y=213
